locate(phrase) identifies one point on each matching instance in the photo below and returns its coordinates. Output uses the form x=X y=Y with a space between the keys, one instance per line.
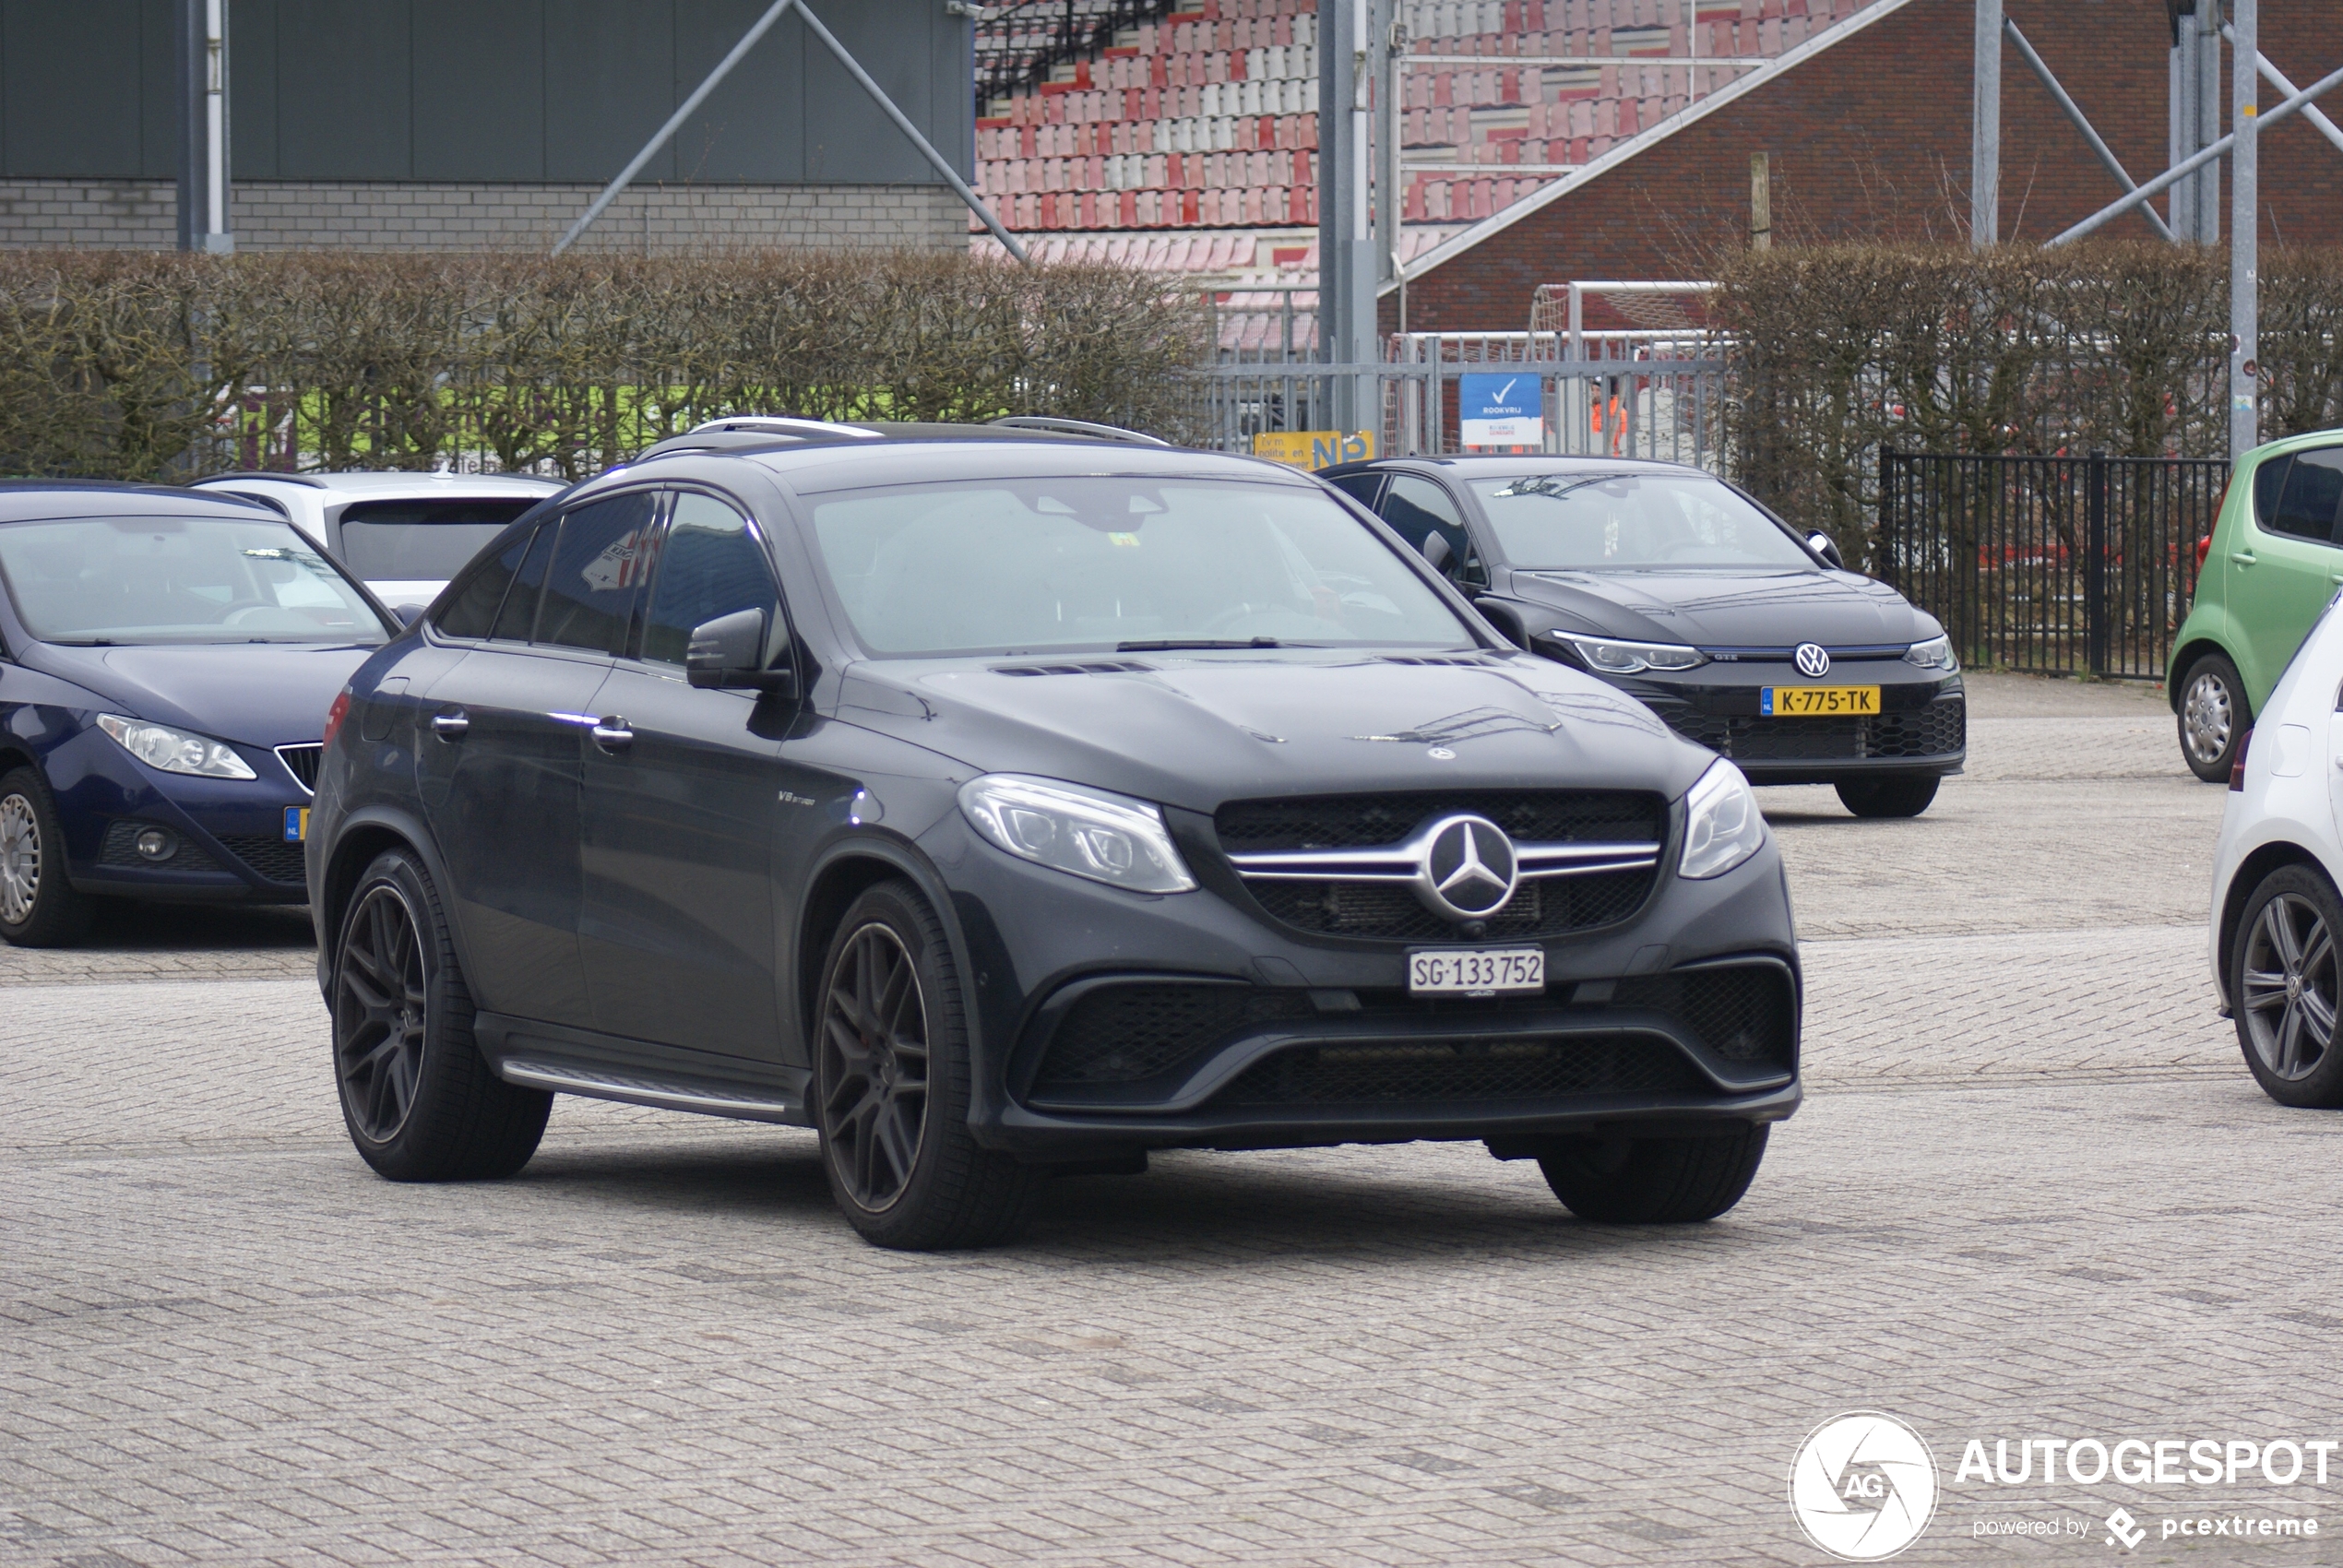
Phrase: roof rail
x=263 y=473
x=784 y=424
x=1043 y=422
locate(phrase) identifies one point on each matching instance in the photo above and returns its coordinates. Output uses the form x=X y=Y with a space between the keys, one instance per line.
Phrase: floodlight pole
x=1985 y=129
x=2246 y=423
x=1351 y=46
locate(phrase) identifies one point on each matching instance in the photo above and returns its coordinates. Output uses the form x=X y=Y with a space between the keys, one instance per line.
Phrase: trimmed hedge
x=146 y=366
x=1836 y=351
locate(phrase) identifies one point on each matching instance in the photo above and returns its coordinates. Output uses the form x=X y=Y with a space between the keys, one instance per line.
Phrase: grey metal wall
x=520 y=90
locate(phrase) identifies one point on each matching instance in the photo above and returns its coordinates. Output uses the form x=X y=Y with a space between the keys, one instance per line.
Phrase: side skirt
x=580 y=1062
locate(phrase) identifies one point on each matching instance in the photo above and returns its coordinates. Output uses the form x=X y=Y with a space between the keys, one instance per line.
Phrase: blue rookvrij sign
x=1502 y=411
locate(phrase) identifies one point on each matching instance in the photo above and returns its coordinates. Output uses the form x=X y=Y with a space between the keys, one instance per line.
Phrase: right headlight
x=1936 y=653
x=1089 y=833
x=1722 y=825
x=1611 y=657
x=175 y=751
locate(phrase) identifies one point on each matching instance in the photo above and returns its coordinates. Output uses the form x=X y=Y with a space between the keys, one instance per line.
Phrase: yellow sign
x=1314 y=448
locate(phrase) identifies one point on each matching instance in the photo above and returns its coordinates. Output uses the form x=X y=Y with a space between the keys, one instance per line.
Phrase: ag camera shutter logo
x=1863 y=1486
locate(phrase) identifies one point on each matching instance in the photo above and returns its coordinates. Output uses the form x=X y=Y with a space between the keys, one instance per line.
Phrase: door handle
x=2242 y=558
x=613 y=735
x=450 y=726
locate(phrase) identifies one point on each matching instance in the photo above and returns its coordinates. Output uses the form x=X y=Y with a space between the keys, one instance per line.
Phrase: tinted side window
x=2306 y=507
x=1416 y=507
x=710 y=566
x=2269 y=483
x=472 y=609
x=598 y=566
x=518 y=618
x=1358 y=487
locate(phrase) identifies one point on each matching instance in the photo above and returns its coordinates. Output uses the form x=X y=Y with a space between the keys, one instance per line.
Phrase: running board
x=665 y=1094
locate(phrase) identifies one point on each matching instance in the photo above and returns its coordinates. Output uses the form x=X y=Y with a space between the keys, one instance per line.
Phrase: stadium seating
x=1205 y=119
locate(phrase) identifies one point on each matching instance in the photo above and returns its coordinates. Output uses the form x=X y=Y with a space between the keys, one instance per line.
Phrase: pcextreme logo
x=1863 y=1486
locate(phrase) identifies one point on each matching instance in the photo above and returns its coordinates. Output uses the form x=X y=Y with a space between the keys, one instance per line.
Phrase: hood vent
x=1098 y=667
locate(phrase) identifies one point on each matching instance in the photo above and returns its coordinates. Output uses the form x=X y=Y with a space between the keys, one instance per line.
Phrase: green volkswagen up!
x=2268 y=570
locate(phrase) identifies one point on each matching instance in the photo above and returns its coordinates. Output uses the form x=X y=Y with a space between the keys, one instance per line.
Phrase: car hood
x=1730 y=610
x=258 y=694
x=1194 y=732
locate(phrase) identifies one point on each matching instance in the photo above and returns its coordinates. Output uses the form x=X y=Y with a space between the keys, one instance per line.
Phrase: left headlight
x=1722 y=825
x=1613 y=657
x=1936 y=653
x=1109 y=838
x=175 y=751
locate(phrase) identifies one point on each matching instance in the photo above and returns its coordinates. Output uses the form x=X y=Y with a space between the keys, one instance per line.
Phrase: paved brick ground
x=2033 y=1194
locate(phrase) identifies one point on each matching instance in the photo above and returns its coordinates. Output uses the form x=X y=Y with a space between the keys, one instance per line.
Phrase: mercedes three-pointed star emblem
x=1469 y=871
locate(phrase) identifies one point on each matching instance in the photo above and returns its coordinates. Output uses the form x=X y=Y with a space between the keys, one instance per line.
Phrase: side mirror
x=728 y=653
x=410 y=613
x=1825 y=546
x=1436 y=551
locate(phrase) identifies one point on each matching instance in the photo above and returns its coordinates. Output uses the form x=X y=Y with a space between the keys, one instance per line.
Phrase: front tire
x=1653 y=1180
x=1887 y=797
x=2287 y=987
x=891 y=1084
x=420 y=1102
x=2213 y=717
x=39 y=906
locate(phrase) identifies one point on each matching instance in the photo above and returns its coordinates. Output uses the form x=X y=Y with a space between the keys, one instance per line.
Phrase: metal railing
x=2052 y=565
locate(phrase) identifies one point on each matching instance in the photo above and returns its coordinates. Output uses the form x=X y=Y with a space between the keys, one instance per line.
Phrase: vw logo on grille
x=1468 y=872
x=1814 y=661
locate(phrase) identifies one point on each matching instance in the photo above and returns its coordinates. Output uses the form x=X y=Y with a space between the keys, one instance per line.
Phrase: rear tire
x=1887 y=797
x=2212 y=716
x=39 y=904
x=1653 y=1180
x=891 y=1078
x=2286 y=988
x=420 y=1102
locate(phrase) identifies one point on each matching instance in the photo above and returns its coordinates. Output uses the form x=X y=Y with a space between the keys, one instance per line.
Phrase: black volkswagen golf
x=1000 y=804
x=1677 y=588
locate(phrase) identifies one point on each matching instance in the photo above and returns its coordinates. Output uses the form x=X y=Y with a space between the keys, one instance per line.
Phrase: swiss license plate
x=1781 y=701
x=296 y=824
x=1451 y=971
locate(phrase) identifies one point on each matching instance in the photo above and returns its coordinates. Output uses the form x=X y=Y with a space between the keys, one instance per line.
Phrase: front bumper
x=1306 y=1039
x=228 y=835
x=1921 y=728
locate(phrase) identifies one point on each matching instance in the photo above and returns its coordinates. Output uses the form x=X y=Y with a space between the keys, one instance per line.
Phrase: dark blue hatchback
x=167 y=662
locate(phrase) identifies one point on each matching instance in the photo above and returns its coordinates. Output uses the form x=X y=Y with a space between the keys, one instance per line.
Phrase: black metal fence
x=2052 y=565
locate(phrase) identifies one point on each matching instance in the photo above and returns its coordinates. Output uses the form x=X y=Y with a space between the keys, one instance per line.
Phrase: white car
x=2277 y=916
x=404 y=535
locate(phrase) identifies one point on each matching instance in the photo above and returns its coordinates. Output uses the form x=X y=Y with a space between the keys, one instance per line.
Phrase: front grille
x=1743 y=1014
x=303 y=763
x=274 y=859
x=1476 y=1069
x=1358 y=822
x=1940 y=728
x=1127 y=1034
x=120 y=850
x=1548 y=906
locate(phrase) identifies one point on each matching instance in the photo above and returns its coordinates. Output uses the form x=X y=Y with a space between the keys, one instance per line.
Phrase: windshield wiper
x=1171 y=645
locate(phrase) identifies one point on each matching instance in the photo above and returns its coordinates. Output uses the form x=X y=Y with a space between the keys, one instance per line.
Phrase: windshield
x=119 y=580
x=1009 y=565
x=421 y=540
x=1631 y=520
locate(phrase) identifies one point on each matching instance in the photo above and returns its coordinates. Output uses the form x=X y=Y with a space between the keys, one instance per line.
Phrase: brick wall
x=1871 y=139
x=289 y=215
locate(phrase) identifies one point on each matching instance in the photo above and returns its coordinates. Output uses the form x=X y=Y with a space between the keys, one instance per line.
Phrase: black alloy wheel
x=420 y=1102
x=2213 y=717
x=874 y=1062
x=891 y=1086
x=379 y=1008
x=2289 y=988
x=39 y=907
